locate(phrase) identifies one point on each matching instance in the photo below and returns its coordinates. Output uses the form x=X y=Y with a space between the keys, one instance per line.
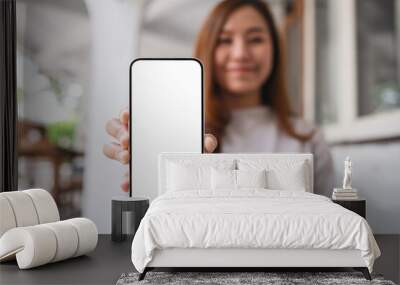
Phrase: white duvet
x=250 y=219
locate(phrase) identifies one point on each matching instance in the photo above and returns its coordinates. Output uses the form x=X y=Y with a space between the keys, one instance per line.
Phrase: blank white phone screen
x=166 y=109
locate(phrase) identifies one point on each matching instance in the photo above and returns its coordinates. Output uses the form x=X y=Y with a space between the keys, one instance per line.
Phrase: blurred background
x=73 y=59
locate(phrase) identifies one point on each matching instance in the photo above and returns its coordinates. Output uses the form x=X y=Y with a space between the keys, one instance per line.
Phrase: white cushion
x=66 y=237
x=226 y=179
x=292 y=179
x=23 y=208
x=223 y=179
x=284 y=169
x=87 y=232
x=34 y=244
x=189 y=174
x=45 y=205
x=183 y=177
x=7 y=218
x=40 y=244
x=281 y=174
x=26 y=208
x=251 y=178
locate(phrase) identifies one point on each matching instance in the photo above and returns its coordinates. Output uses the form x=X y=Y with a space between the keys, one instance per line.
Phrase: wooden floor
x=110 y=260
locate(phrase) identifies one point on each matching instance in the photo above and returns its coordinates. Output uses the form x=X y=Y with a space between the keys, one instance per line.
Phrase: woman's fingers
x=125 y=185
x=210 y=143
x=124 y=116
x=115 y=151
x=116 y=129
x=119 y=129
x=125 y=182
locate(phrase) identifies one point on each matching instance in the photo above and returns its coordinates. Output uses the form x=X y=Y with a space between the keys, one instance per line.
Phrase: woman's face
x=243 y=56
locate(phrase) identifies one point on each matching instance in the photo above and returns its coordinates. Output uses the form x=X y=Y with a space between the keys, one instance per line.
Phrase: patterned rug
x=243 y=278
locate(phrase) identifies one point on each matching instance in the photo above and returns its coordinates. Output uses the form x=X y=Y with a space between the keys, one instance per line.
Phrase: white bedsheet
x=250 y=219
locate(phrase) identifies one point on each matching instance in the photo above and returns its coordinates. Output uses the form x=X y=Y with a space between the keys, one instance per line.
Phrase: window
x=325 y=99
x=378 y=56
x=355 y=50
x=52 y=51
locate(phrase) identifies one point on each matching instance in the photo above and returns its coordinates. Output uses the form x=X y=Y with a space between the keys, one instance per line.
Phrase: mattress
x=251 y=219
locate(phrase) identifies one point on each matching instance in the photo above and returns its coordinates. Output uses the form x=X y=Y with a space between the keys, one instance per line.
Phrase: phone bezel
x=130 y=104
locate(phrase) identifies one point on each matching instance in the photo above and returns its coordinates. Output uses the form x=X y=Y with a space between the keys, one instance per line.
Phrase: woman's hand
x=119 y=150
x=119 y=129
x=210 y=143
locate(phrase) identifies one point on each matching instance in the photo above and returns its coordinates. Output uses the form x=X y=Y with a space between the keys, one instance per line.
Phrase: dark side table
x=127 y=212
x=357 y=206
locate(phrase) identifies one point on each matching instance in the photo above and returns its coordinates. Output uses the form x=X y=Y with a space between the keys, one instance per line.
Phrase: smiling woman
x=246 y=100
x=247 y=104
x=247 y=40
x=240 y=47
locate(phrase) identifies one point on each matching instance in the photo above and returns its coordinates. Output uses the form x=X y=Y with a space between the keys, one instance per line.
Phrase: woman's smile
x=241 y=69
x=243 y=55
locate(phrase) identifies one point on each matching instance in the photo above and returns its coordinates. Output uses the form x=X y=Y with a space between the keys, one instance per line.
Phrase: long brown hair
x=273 y=91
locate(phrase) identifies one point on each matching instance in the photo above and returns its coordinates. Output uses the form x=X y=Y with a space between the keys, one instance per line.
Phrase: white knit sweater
x=255 y=130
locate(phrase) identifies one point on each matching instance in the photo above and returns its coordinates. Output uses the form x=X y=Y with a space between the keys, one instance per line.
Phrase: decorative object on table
x=31 y=231
x=127 y=212
x=344 y=194
x=347 y=192
x=347 y=174
x=248 y=278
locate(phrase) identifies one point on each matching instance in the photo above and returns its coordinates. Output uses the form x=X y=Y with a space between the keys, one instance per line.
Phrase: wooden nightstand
x=357 y=206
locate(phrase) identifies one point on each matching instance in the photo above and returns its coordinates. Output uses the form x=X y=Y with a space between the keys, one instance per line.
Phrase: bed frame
x=240 y=260
x=234 y=259
x=250 y=259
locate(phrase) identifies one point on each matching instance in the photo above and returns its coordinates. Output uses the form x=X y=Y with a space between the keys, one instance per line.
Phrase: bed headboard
x=235 y=159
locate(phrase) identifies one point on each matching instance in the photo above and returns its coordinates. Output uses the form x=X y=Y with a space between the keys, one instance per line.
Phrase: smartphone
x=166 y=115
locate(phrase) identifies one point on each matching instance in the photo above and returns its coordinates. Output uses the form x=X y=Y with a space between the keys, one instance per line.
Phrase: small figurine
x=347 y=174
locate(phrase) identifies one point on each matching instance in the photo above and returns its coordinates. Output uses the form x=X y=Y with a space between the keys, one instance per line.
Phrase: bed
x=246 y=211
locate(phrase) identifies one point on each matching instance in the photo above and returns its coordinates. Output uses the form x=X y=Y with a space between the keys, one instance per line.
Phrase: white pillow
x=237 y=179
x=189 y=174
x=251 y=178
x=223 y=179
x=184 y=177
x=292 y=178
x=282 y=174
